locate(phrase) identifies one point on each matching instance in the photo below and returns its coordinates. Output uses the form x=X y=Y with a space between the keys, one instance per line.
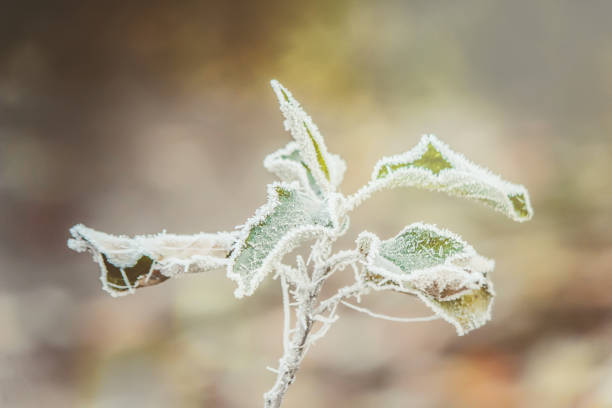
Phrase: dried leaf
x=128 y=263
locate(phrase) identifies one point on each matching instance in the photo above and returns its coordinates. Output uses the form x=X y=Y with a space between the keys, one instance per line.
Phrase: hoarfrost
x=433 y=264
x=437 y=266
x=432 y=165
x=289 y=218
x=288 y=165
x=128 y=263
x=326 y=169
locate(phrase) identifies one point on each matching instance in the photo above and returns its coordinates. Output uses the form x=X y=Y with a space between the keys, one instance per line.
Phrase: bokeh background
x=134 y=117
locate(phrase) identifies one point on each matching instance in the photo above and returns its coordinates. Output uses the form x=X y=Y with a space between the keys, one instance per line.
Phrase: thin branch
x=385 y=317
x=327 y=322
x=343 y=257
x=286 y=313
x=291 y=359
x=353 y=290
x=306 y=297
x=301 y=265
x=338 y=262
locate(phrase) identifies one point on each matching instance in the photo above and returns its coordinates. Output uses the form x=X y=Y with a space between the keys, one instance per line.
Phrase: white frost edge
x=285 y=169
x=163 y=249
x=338 y=168
x=449 y=180
x=289 y=170
x=295 y=117
x=413 y=282
x=288 y=243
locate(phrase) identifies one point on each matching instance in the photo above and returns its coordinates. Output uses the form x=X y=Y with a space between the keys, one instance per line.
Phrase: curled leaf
x=288 y=218
x=128 y=263
x=437 y=266
x=432 y=165
x=288 y=165
x=326 y=169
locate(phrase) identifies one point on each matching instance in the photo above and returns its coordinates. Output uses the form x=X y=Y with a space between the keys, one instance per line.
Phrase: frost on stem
x=437 y=266
x=128 y=263
x=433 y=264
x=432 y=165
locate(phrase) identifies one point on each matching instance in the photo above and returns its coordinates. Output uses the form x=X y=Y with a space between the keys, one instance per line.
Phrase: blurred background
x=134 y=117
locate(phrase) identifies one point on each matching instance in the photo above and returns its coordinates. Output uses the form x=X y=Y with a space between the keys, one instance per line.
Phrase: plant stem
x=307 y=289
x=294 y=354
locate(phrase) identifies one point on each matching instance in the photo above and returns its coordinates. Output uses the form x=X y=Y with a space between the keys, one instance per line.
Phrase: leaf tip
x=521 y=205
x=281 y=92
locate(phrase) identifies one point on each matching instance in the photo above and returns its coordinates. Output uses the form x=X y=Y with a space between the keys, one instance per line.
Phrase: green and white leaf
x=288 y=165
x=437 y=266
x=290 y=217
x=128 y=263
x=432 y=165
x=326 y=169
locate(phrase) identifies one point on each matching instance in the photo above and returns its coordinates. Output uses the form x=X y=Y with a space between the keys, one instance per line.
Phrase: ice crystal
x=283 y=223
x=287 y=163
x=326 y=169
x=306 y=206
x=128 y=263
x=437 y=266
x=432 y=165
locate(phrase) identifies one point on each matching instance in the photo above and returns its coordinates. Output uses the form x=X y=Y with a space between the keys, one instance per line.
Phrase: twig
x=385 y=317
x=353 y=290
x=286 y=313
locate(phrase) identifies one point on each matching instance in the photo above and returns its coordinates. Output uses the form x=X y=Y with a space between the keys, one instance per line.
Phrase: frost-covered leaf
x=288 y=165
x=436 y=265
x=432 y=165
x=326 y=169
x=290 y=217
x=128 y=263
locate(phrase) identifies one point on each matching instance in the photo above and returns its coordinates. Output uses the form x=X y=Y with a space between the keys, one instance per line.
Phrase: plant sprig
x=433 y=264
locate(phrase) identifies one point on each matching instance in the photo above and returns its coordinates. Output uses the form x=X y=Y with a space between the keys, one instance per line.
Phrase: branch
x=354 y=290
x=286 y=313
x=305 y=295
x=391 y=318
x=326 y=324
x=293 y=354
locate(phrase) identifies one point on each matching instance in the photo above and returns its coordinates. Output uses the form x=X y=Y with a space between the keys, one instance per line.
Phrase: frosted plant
x=305 y=206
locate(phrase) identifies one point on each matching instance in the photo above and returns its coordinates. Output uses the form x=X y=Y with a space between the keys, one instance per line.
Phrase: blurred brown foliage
x=134 y=117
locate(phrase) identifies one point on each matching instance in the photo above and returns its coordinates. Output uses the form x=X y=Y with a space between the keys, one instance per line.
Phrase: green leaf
x=326 y=169
x=127 y=264
x=418 y=247
x=432 y=165
x=437 y=266
x=288 y=218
